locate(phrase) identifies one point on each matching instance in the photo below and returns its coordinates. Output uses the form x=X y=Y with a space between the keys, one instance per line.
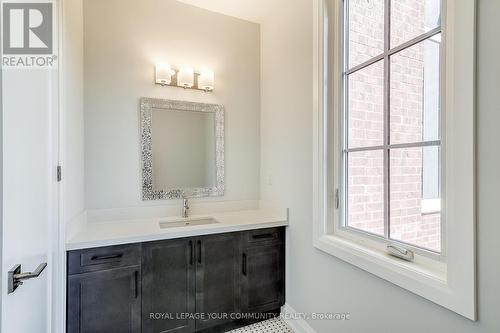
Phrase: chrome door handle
x=15 y=276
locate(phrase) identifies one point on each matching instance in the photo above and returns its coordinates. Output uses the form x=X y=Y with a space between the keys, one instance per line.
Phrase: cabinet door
x=105 y=301
x=263 y=281
x=217 y=279
x=168 y=286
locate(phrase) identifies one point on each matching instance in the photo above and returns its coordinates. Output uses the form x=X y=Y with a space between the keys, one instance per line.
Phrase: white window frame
x=449 y=281
x=341 y=126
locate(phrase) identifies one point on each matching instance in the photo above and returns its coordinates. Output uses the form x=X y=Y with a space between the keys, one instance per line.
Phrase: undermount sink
x=187 y=222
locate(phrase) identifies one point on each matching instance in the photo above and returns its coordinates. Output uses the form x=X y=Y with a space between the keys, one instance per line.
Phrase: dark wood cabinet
x=168 y=284
x=217 y=279
x=263 y=270
x=263 y=278
x=105 y=301
x=176 y=286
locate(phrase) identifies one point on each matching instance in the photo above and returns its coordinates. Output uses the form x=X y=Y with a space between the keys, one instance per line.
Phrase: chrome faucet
x=185 y=206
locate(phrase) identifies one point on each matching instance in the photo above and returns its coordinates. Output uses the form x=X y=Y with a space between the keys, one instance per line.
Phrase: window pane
x=366 y=106
x=415 y=215
x=365 y=191
x=366 y=30
x=412 y=18
x=415 y=93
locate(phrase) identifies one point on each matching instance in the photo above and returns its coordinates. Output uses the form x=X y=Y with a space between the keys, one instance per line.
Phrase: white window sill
x=416 y=276
x=426 y=279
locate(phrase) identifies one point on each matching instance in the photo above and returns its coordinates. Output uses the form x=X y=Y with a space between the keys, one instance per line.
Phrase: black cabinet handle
x=264 y=236
x=136 y=283
x=191 y=252
x=108 y=256
x=244 y=264
x=199 y=252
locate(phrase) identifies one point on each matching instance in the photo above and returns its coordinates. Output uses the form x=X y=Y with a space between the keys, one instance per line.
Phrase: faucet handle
x=185 y=206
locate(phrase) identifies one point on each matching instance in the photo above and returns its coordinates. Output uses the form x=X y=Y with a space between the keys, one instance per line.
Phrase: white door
x=29 y=184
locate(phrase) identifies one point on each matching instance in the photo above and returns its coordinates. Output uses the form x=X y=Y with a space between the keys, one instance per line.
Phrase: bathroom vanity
x=194 y=273
x=224 y=275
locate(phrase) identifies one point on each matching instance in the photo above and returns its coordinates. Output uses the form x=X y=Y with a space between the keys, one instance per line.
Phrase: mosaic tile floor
x=275 y=325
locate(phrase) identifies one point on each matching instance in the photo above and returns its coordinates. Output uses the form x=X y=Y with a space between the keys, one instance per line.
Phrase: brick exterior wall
x=366 y=123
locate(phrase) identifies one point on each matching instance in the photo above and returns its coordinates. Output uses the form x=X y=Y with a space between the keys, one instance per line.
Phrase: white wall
x=317 y=282
x=123 y=41
x=72 y=150
x=72 y=111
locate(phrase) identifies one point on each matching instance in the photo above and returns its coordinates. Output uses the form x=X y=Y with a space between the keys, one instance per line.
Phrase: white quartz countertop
x=96 y=234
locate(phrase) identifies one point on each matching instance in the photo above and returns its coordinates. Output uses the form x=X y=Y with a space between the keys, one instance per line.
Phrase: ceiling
x=250 y=10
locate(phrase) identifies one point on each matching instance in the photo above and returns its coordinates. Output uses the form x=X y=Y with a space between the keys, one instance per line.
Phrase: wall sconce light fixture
x=185 y=77
x=164 y=73
x=206 y=80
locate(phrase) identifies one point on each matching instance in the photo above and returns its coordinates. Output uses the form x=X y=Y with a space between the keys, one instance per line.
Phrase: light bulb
x=206 y=80
x=163 y=73
x=185 y=77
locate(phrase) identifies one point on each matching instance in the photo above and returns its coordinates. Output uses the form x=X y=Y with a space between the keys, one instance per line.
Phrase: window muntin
x=392 y=120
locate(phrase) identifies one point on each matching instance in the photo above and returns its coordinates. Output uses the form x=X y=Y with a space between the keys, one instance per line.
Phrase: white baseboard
x=294 y=320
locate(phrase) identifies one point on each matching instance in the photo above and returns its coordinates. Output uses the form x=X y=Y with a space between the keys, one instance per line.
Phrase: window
x=394 y=142
x=391 y=147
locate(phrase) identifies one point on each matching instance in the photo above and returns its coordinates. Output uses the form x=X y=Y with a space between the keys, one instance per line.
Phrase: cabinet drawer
x=264 y=236
x=96 y=259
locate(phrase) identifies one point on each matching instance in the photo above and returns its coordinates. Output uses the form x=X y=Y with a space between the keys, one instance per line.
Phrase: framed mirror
x=182 y=149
